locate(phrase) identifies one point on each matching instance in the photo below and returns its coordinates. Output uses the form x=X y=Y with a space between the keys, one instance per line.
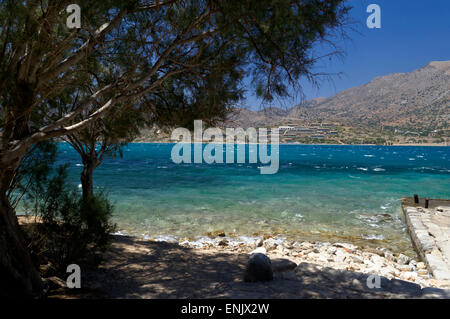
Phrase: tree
x=211 y=97
x=27 y=182
x=103 y=137
x=143 y=45
x=32 y=173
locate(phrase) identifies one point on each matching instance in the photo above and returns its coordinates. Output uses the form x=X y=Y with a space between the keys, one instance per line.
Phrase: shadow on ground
x=143 y=269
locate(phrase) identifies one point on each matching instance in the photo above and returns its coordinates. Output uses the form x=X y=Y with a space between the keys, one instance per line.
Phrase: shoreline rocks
x=340 y=256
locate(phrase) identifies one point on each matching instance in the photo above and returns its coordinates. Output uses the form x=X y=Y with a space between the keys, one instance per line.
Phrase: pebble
x=348 y=247
x=402 y=259
x=389 y=256
x=409 y=276
x=422 y=272
x=331 y=250
x=421 y=265
x=357 y=259
x=307 y=245
x=404 y=268
x=270 y=244
x=377 y=260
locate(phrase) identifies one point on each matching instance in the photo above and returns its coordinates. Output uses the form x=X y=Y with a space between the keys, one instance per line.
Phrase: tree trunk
x=87 y=176
x=19 y=277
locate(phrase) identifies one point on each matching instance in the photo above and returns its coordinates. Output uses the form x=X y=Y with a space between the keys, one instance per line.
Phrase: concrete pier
x=430 y=233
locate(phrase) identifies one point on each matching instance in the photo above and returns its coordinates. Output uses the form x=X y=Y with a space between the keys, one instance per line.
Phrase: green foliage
x=197 y=48
x=72 y=230
x=173 y=62
x=33 y=172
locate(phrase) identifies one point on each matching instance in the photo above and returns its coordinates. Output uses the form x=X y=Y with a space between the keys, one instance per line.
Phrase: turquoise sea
x=328 y=193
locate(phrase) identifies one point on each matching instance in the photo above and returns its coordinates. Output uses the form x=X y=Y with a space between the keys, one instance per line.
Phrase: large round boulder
x=259 y=268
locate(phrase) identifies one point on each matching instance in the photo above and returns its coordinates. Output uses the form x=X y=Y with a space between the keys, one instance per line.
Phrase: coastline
x=344 y=256
x=138 y=268
x=340 y=255
x=324 y=144
x=134 y=267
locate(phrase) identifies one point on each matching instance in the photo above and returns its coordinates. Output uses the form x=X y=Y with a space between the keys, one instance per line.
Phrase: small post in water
x=427 y=201
x=416 y=199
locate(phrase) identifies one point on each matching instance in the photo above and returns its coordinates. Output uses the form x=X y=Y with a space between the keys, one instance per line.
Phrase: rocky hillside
x=419 y=100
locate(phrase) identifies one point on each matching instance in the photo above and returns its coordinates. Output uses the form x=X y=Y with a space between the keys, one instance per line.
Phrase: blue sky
x=413 y=33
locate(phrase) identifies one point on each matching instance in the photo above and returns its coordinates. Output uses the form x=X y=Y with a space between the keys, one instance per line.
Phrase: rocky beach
x=138 y=268
x=343 y=256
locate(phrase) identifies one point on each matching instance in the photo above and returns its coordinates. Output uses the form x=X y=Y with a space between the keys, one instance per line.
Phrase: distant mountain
x=416 y=100
x=266 y=117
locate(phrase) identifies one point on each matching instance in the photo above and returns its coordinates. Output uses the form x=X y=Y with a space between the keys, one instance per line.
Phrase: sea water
x=320 y=193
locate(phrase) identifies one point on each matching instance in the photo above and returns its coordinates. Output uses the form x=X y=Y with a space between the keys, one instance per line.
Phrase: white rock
x=357 y=259
x=339 y=257
x=322 y=259
x=387 y=272
x=313 y=255
x=368 y=262
x=421 y=265
x=281 y=250
x=372 y=270
x=409 y=276
x=377 y=260
x=403 y=260
x=297 y=245
x=306 y=245
x=389 y=256
x=346 y=246
x=404 y=268
x=288 y=245
x=422 y=272
x=270 y=244
x=260 y=250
